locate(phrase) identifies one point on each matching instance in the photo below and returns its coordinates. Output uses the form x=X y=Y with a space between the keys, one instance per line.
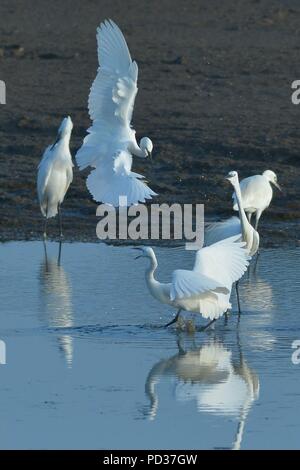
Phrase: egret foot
x=190 y=326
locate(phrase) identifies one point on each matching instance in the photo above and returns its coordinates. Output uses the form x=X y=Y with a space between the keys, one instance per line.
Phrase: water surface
x=90 y=366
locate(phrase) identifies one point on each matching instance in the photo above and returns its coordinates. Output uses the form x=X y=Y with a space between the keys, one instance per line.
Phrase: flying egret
x=55 y=173
x=111 y=141
x=205 y=289
x=257 y=194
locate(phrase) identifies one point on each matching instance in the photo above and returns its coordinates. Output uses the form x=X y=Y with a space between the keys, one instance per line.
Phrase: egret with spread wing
x=55 y=174
x=111 y=141
x=206 y=288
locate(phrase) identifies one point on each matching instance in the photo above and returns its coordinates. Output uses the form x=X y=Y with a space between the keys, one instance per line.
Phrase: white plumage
x=205 y=289
x=256 y=194
x=111 y=141
x=55 y=172
x=234 y=226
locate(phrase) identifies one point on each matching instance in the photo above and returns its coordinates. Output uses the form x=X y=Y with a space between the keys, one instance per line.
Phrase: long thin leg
x=60 y=221
x=45 y=229
x=45 y=226
x=208 y=325
x=258 y=214
x=59 y=254
x=174 y=319
x=238 y=296
x=256 y=260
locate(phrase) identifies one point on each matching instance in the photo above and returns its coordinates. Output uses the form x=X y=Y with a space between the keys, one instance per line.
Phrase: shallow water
x=89 y=366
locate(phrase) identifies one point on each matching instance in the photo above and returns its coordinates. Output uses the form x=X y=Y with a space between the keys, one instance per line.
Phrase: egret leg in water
x=238 y=296
x=208 y=324
x=174 y=319
x=60 y=221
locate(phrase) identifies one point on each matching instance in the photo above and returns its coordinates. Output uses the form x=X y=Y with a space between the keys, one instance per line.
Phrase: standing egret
x=205 y=289
x=111 y=141
x=257 y=194
x=55 y=174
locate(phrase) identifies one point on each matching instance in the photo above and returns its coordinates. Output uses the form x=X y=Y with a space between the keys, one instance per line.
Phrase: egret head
x=233 y=177
x=146 y=146
x=65 y=127
x=272 y=178
x=64 y=130
x=144 y=252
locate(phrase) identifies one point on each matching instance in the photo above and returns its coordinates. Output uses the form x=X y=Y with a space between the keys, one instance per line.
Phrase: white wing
x=187 y=283
x=218 y=231
x=225 y=261
x=112 y=95
x=107 y=183
x=255 y=191
x=111 y=103
x=44 y=172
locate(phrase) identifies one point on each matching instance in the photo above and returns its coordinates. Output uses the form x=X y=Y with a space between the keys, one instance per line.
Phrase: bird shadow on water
x=56 y=307
x=215 y=376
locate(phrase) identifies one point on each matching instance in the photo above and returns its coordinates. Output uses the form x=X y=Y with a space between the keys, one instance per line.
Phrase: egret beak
x=277 y=186
x=149 y=154
x=137 y=248
x=57 y=139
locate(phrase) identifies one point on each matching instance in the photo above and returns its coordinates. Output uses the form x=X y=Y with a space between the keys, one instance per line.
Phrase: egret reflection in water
x=56 y=300
x=210 y=375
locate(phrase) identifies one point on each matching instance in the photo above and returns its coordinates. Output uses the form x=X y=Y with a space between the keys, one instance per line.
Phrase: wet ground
x=88 y=364
x=214 y=95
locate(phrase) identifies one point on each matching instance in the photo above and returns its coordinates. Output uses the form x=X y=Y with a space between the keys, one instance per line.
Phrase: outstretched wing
x=225 y=261
x=115 y=87
x=218 y=231
x=187 y=283
x=112 y=95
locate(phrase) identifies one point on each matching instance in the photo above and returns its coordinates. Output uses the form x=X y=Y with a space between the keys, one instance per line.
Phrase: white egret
x=205 y=289
x=257 y=194
x=55 y=174
x=111 y=141
x=234 y=226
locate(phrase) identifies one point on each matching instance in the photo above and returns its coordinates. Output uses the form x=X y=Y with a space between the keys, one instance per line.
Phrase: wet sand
x=214 y=95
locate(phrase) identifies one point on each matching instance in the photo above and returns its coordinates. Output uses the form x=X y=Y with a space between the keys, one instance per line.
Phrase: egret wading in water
x=234 y=226
x=55 y=173
x=257 y=193
x=111 y=140
x=206 y=288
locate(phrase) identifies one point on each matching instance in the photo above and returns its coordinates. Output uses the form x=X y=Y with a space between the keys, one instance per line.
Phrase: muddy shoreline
x=214 y=95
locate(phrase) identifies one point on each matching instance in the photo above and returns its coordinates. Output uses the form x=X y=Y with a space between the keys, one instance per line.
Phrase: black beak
x=137 y=248
x=278 y=186
x=57 y=139
x=150 y=156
